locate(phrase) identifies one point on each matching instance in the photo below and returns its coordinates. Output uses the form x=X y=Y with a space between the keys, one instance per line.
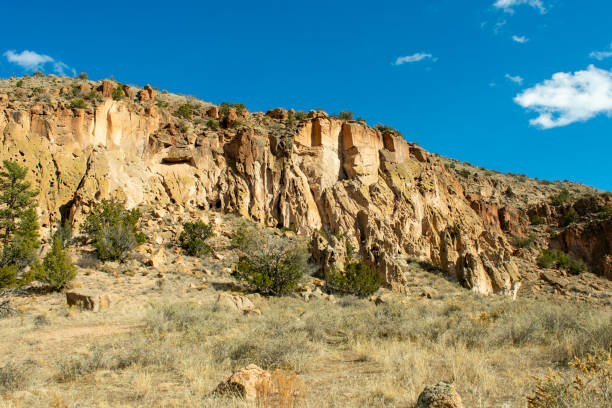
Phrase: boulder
x=244 y=383
x=88 y=300
x=146 y=94
x=237 y=303
x=230 y=119
x=213 y=112
x=157 y=259
x=278 y=113
x=441 y=395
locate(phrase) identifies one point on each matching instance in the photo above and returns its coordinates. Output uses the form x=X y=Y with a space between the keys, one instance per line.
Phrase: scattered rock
x=107 y=88
x=441 y=395
x=244 y=383
x=237 y=303
x=158 y=259
x=88 y=300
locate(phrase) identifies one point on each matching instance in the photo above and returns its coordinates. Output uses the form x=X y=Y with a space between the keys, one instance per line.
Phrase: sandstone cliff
x=342 y=182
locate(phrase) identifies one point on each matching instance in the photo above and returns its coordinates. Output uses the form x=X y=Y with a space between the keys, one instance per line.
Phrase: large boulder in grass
x=88 y=300
x=238 y=303
x=441 y=395
x=244 y=383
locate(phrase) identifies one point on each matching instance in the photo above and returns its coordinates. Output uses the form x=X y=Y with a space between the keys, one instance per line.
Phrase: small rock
x=244 y=383
x=441 y=395
x=88 y=300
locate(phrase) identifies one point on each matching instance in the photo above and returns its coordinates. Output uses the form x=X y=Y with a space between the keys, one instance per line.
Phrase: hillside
x=390 y=199
x=471 y=292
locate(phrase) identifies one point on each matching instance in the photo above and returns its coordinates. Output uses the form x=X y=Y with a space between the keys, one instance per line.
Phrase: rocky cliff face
x=342 y=182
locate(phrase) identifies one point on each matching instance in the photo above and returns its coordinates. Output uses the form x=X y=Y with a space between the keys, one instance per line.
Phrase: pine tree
x=19 y=237
x=57 y=268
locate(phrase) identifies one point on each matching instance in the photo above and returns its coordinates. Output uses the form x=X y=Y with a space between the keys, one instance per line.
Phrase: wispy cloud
x=569 y=98
x=31 y=61
x=516 y=79
x=601 y=55
x=28 y=60
x=508 y=5
x=520 y=39
x=419 y=56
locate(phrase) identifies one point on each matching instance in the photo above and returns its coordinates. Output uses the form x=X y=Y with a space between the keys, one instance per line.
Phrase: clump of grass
x=537 y=220
x=13 y=376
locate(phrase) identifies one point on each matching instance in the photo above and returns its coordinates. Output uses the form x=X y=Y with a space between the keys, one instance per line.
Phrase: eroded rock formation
x=320 y=176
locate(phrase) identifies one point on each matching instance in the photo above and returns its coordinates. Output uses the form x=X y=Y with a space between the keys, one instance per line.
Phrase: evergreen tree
x=19 y=237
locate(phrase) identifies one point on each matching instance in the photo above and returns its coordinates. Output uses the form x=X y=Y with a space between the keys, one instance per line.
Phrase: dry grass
x=349 y=354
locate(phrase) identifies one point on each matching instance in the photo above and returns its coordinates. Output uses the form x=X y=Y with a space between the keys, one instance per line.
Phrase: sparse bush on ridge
x=118 y=93
x=185 y=111
x=78 y=104
x=345 y=115
x=570 y=216
x=561 y=198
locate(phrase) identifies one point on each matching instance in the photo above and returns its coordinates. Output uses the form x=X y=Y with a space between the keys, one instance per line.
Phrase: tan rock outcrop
x=244 y=383
x=390 y=199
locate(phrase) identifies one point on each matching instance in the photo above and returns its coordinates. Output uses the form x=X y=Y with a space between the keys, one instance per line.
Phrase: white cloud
x=508 y=5
x=60 y=68
x=516 y=79
x=419 y=56
x=28 y=60
x=601 y=55
x=31 y=61
x=522 y=39
x=569 y=98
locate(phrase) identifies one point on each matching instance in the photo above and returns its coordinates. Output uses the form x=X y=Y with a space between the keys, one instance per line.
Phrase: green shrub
x=8 y=276
x=240 y=108
x=570 y=216
x=57 y=268
x=112 y=229
x=561 y=198
x=185 y=111
x=246 y=237
x=362 y=120
x=553 y=258
x=301 y=115
x=384 y=128
x=356 y=279
x=118 y=93
x=212 y=124
x=160 y=103
x=290 y=120
x=93 y=95
x=345 y=115
x=19 y=83
x=63 y=232
x=224 y=108
x=604 y=211
x=509 y=192
x=182 y=126
x=463 y=173
x=523 y=242
x=83 y=75
x=537 y=220
x=193 y=238
x=78 y=104
x=272 y=268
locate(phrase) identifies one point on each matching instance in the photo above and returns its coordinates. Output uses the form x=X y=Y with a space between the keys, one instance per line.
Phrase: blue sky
x=504 y=84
